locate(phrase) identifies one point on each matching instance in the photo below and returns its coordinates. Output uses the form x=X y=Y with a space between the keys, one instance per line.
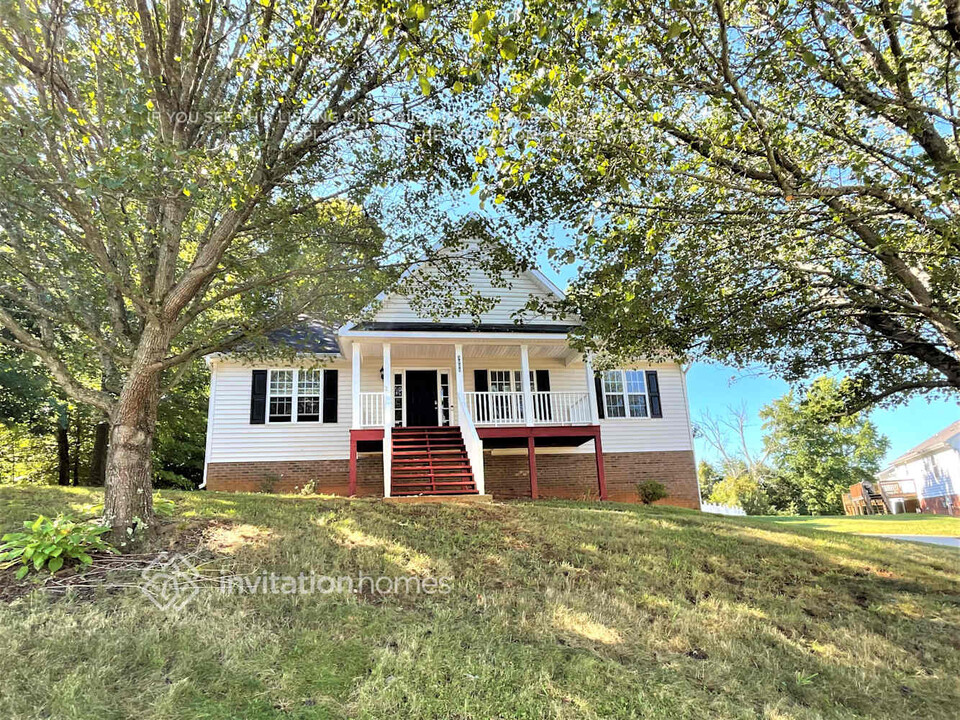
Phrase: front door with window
x=421 y=397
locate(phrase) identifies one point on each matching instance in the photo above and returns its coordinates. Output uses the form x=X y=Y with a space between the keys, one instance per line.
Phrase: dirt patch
x=225 y=538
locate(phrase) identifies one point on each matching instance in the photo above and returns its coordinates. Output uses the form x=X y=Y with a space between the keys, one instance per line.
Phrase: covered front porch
x=522 y=390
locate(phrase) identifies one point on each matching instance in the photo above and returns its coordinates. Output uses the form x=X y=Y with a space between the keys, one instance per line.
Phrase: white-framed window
x=280 y=396
x=309 y=395
x=294 y=396
x=509 y=381
x=625 y=394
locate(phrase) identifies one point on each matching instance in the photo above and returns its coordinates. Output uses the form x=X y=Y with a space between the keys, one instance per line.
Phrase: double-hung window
x=309 y=395
x=625 y=394
x=510 y=381
x=295 y=396
x=281 y=395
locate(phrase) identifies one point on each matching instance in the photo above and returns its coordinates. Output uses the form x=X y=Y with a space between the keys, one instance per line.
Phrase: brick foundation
x=943 y=505
x=331 y=476
x=574 y=476
x=569 y=476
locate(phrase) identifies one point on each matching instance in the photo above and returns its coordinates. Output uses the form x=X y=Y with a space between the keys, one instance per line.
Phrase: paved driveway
x=946 y=540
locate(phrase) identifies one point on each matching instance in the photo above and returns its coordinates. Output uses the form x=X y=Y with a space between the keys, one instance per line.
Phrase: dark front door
x=421 y=397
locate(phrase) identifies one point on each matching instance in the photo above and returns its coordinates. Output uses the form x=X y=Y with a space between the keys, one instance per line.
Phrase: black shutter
x=598 y=383
x=258 y=398
x=480 y=381
x=330 y=395
x=542 y=404
x=653 y=392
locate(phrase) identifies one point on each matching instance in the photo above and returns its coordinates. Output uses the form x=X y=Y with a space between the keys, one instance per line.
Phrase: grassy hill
x=556 y=610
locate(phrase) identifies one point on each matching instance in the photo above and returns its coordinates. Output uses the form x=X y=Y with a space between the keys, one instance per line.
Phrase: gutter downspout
x=210 y=403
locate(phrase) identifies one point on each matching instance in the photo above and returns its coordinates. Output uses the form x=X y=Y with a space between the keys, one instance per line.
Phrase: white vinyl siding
x=936 y=474
x=510 y=297
x=234 y=439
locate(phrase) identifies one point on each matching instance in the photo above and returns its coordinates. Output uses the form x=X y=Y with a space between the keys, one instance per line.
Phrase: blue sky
x=714 y=388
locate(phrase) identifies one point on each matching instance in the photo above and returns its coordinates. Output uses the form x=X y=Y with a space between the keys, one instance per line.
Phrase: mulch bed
x=110 y=573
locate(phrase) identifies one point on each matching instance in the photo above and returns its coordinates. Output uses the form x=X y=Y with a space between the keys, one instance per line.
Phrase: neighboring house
x=933 y=469
x=402 y=405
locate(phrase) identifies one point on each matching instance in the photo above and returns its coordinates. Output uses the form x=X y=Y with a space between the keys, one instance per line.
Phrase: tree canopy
x=751 y=182
x=818 y=456
x=165 y=177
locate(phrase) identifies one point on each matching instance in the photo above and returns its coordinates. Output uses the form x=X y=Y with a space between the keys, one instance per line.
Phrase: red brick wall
x=571 y=476
x=574 y=476
x=944 y=505
x=331 y=476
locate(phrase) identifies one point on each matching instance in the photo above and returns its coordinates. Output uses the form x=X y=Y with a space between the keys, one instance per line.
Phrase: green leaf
x=478 y=22
x=55 y=564
x=508 y=49
x=424 y=85
x=675 y=30
x=22 y=572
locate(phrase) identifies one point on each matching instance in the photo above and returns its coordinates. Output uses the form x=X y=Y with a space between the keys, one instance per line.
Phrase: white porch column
x=591 y=391
x=458 y=374
x=528 y=413
x=356 y=411
x=387 y=419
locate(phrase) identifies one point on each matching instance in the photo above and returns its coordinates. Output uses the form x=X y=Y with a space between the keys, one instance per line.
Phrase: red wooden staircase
x=430 y=461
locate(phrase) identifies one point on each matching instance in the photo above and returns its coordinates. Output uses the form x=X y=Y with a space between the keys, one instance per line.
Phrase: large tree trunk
x=128 y=499
x=98 y=458
x=63 y=454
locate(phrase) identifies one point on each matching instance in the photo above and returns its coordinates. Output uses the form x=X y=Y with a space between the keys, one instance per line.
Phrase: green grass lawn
x=557 y=610
x=876 y=524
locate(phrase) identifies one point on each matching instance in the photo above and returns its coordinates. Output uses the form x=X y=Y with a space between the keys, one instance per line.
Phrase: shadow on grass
x=557 y=609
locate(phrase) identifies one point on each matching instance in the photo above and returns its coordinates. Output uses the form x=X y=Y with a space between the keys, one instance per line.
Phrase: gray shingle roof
x=307 y=335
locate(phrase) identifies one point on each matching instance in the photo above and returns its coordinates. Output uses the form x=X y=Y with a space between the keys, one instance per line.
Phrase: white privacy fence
x=371 y=409
x=549 y=408
x=717 y=509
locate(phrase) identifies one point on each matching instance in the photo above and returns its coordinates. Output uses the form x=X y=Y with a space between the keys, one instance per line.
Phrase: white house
x=932 y=470
x=403 y=405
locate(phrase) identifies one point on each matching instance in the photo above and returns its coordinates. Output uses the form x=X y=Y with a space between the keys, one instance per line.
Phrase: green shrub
x=51 y=543
x=309 y=488
x=742 y=490
x=650 y=491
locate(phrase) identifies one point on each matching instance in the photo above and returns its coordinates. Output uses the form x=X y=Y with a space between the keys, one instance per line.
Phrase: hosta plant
x=51 y=543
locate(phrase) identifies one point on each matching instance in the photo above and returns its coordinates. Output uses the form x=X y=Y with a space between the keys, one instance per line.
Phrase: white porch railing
x=471 y=441
x=496 y=408
x=371 y=409
x=561 y=408
x=549 y=408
